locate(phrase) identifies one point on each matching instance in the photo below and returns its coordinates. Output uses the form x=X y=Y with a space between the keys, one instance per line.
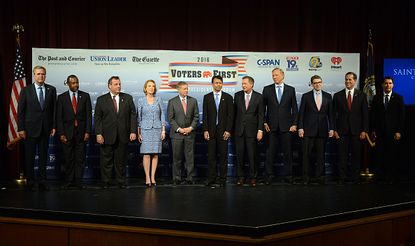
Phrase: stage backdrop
x=167 y=67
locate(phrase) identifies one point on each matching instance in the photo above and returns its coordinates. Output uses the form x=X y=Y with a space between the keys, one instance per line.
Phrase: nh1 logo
x=315 y=62
x=336 y=60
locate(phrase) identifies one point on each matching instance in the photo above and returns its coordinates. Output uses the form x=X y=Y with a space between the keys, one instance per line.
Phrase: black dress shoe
x=122 y=186
x=190 y=182
x=105 y=185
x=253 y=182
x=44 y=187
x=65 y=186
x=241 y=181
x=210 y=184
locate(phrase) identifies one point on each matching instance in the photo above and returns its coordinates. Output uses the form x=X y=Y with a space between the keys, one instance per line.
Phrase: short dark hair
x=388 y=77
x=315 y=77
x=354 y=75
x=112 y=78
x=249 y=78
x=217 y=77
x=72 y=76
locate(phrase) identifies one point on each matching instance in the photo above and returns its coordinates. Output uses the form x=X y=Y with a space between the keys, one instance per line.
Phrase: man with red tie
x=74 y=120
x=183 y=116
x=351 y=125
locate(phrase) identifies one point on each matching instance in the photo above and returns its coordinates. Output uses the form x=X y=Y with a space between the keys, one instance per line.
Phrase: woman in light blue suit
x=151 y=129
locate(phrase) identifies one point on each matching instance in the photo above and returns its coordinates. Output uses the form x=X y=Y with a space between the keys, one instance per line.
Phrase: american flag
x=18 y=84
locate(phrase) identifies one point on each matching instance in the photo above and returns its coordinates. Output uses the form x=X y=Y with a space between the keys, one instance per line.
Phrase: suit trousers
x=217 y=150
x=387 y=158
x=41 y=143
x=313 y=147
x=282 y=139
x=183 y=147
x=113 y=155
x=74 y=153
x=246 y=147
x=349 y=144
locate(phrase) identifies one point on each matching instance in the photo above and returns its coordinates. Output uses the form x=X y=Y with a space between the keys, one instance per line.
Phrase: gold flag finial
x=18 y=29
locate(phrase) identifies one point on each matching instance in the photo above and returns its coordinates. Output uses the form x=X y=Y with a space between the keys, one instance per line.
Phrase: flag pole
x=21 y=180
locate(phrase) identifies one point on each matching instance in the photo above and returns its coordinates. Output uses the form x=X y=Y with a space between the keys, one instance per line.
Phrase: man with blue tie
x=280 y=105
x=387 y=125
x=217 y=126
x=36 y=122
x=315 y=124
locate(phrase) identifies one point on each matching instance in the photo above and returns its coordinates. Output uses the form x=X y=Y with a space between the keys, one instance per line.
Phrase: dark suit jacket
x=31 y=118
x=225 y=114
x=112 y=125
x=280 y=115
x=315 y=123
x=65 y=115
x=248 y=120
x=387 y=122
x=355 y=121
x=177 y=118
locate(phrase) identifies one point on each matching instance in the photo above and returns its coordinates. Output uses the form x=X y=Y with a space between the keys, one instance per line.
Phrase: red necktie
x=74 y=108
x=349 y=101
x=184 y=105
x=115 y=104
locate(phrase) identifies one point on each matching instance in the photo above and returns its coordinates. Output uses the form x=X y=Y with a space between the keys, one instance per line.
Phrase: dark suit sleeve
x=21 y=110
x=59 y=117
x=301 y=113
x=205 y=114
x=265 y=103
x=195 y=115
x=365 y=112
x=330 y=113
x=98 y=117
x=170 y=115
x=260 y=113
x=88 y=114
x=133 y=115
x=54 y=107
x=229 y=109
x=401 y=114
x=294 y=107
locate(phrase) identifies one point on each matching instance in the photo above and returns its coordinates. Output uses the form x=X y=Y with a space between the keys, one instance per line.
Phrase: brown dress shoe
x=241 y=181
x=253 y=182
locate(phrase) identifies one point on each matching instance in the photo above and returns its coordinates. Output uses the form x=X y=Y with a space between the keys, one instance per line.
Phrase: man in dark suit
x=351 y=125
x=280 y=105
x=315 y=124
x=36 y=122
x=73 y=120
x=387 y=124
x=183 y=116
x=217 y=126
x=115 y=125
x=249 y=125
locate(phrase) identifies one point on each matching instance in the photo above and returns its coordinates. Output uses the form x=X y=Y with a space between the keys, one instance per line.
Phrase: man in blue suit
x=36 y=122
x=280 y=105
x=315 y=124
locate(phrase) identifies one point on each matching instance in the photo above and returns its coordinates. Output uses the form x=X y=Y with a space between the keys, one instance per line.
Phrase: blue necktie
x=279 y=94
x=217 y=106
x=41 y=99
